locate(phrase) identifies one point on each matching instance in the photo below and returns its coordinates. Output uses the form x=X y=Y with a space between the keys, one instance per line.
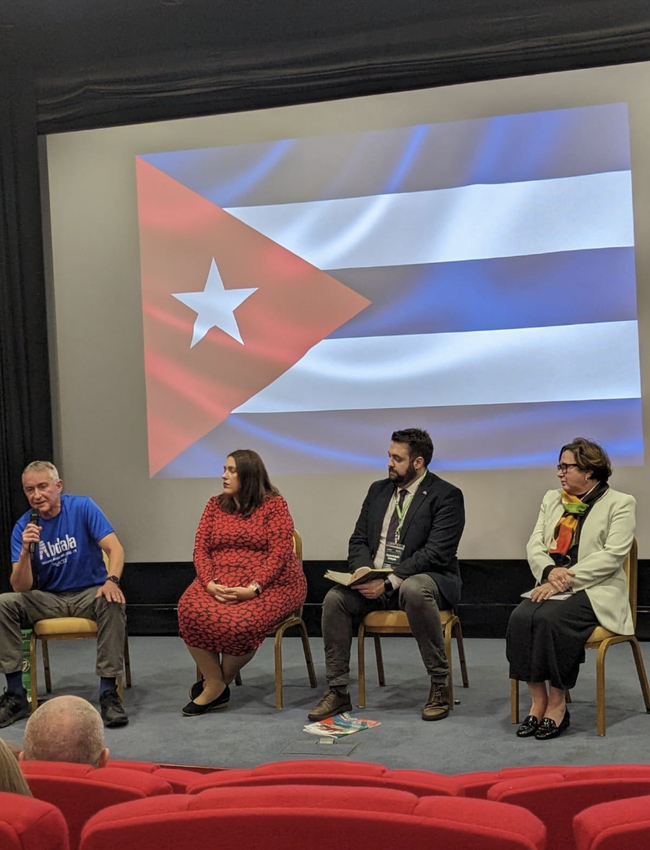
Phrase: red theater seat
x=556 y=799
x=318 y=817
x=418 y=782
x=80 y=790
x=620 y=825
x=478 y=784
x=28 y=824
x=178 y=777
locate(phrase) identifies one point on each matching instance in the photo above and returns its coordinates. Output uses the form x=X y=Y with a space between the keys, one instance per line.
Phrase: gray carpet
x=476 y=736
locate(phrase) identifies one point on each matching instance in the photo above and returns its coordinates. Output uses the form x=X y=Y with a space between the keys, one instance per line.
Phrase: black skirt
x=545 y=641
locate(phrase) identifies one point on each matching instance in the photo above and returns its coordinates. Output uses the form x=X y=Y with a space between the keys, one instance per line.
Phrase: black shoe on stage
x=13 y=707
x=528 y=727
x=197 y=688
x=549 y=729
x=112 y=710
x=333 y=702
x=193 y=709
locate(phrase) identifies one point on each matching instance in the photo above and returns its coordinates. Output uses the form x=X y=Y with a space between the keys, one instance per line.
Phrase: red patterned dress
x=234 y=550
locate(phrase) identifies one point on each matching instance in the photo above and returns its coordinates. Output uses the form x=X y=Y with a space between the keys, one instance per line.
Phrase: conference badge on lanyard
x=395 y=549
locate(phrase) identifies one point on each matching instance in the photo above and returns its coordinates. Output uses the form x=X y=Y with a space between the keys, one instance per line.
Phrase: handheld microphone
x=33 y=517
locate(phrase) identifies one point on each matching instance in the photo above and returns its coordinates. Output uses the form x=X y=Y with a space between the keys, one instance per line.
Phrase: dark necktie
x=394 y=520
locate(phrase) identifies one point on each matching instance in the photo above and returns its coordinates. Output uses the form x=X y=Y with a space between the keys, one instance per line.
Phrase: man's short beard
x=409 y=476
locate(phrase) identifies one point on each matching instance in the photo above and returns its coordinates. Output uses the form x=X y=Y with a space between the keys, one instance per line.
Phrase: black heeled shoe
x=197 y=688
x=193 y=709
x=549 y=729
x=528 y=727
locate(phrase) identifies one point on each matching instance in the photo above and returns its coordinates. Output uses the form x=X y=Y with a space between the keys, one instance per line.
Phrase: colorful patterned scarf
x=566 y=537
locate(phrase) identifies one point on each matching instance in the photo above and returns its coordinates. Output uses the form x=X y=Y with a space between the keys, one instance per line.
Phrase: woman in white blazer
x=581 y=539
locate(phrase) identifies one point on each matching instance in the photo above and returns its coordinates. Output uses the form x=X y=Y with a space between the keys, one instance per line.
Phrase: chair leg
x=127 y=659
x=567 y=696
x=514 y=700
x=380 y=661
x=449 y=664
x=458 y=632
x=600 y=688
x=278 y=668
x=32 y=664
x=120 y=686
x=46 y=665
x=361 y=665
x=640 y=669
x=311 y=672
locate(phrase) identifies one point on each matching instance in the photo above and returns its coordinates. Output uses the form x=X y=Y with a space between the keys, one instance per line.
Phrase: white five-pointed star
x=215 y=306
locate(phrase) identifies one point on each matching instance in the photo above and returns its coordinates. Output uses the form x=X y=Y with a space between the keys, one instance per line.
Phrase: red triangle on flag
x=192 y=390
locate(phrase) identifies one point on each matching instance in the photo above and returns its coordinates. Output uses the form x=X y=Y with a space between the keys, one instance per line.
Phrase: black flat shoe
x=197 y=688
x=549 y=729
x=193 y=709
x=528 y=727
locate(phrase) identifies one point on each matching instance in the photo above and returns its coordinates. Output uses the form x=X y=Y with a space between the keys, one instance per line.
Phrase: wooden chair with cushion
x=379 y=623
x=277 y=632
x=601 y=639
x=66 y=628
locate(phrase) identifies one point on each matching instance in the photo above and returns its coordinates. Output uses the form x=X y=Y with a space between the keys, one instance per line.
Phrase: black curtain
x=208 y=57
x=26 y=426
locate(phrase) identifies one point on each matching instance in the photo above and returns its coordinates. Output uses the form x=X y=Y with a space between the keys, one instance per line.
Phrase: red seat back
x=80 y=791
x=319 y=766
x=29 y=824
x=619 y=825
x=556 y=799
x=325 y=815
x=418 y=782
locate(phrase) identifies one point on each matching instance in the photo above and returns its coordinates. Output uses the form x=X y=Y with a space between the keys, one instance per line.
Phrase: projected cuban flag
x=306 y=297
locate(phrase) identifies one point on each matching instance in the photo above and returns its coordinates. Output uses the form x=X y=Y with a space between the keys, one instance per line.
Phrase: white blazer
x=605 y=540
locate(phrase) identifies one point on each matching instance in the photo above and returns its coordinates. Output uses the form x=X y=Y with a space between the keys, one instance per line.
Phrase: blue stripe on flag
x=492 y=437
x=511 y=292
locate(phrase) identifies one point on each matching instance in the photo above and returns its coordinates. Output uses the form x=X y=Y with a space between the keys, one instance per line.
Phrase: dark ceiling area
x=101 y=62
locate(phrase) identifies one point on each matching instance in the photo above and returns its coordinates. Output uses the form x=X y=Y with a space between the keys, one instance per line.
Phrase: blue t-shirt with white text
x=67 y=556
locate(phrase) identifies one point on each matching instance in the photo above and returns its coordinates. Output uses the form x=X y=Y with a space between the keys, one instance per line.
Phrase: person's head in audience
x=246 y=483
x=65 y=729
x=11 y=777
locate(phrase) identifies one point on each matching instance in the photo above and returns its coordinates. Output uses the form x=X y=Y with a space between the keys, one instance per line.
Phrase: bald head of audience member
x=65 y=729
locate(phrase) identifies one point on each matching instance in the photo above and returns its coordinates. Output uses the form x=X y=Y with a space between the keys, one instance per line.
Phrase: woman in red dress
x=248 y=578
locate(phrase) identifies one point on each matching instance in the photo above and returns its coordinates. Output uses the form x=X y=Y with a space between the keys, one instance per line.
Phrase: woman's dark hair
x=590 y=457
x=254 y=484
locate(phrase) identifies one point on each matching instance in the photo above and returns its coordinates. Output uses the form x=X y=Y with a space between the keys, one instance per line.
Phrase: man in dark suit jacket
x=412 y=521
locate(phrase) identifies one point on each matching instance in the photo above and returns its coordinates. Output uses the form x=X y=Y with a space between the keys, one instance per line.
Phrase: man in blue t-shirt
x=57 y=554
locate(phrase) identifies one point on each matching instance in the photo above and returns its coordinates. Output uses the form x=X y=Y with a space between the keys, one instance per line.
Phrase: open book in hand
x=558 y=597
x=359 y=576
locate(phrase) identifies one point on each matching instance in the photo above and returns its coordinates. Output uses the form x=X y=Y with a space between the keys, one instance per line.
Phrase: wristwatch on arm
x=388 y=586
x=255 y=588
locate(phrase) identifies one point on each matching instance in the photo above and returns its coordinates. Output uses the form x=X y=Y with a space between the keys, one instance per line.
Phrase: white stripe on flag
x=566 y=363
x=447 y=225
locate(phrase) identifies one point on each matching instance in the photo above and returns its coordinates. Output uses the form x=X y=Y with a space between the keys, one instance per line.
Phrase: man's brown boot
x=333 y=702
x=437 y=705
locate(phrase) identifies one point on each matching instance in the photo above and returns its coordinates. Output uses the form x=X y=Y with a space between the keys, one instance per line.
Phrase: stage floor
x=476 y=736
